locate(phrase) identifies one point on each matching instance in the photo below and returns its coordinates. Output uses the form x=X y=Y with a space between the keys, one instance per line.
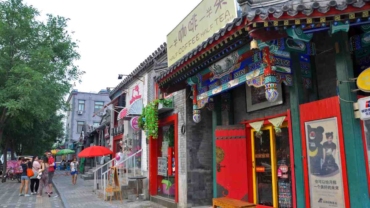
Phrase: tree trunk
x=12 y=149
x=5 y=153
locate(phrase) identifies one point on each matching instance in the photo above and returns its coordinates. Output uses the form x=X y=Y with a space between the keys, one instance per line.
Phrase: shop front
x=292 y=89
x=163 y=160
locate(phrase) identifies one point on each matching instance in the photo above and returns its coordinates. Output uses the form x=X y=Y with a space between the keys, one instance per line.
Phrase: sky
x=115 y=36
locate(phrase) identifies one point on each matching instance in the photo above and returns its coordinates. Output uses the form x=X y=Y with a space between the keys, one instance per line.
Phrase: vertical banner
x=324 y=164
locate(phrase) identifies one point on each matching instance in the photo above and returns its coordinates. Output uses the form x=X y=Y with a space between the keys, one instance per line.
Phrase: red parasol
x=95 y=151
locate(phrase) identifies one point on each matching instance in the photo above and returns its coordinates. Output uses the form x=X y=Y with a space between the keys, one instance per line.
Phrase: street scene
x=185 y=104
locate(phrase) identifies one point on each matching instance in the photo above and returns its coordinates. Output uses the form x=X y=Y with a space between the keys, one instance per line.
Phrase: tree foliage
x=36 y=69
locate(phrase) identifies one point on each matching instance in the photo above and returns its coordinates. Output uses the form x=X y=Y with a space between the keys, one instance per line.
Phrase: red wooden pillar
x=153 y=165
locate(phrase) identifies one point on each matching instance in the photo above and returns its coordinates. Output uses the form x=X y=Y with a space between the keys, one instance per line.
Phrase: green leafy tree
x=36 y=65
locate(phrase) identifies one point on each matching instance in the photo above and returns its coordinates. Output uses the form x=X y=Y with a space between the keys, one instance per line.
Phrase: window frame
x=95 y=105
x=78 y=125
x=81 y=104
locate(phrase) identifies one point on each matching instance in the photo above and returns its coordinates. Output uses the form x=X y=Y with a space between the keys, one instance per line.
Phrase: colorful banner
x=205 y=20
x=324 y=164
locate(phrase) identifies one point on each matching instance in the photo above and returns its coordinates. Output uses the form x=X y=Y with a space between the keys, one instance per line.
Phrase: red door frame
x=324 y=114
x=154 y=153
x=249 y=154
x=116 y=138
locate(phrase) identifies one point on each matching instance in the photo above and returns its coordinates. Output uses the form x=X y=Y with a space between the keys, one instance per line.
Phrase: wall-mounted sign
x=134 y=123
x=364 y=108
x=205 y=20
x=162 y=166
x=363 y=80
x=135 y=92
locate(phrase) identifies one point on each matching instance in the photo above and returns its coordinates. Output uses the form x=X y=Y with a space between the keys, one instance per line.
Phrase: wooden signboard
x=162 y=166
x=113 y=177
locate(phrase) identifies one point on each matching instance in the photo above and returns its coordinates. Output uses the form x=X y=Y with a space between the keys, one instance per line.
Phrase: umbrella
x=95 y=151
x=65 y=152
x=54 y=151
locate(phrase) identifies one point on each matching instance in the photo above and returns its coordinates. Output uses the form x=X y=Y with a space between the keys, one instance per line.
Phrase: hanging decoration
x=270 y=80
x=196 y=112
x=257 y=127
x=276 y=122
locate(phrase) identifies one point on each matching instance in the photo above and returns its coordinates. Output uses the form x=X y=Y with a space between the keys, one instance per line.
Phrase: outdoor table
x=137 y=178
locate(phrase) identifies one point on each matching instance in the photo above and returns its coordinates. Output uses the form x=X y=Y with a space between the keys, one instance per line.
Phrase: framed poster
x=256 y=98
x=162 y=166
x=324 y=163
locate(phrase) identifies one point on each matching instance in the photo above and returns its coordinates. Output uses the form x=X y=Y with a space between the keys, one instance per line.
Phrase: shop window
x=98 y=105
x=166 y=163
x=271 y=167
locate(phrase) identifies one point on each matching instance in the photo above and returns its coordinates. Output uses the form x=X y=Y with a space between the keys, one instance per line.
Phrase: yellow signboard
x=205 y=20
x=363 y=81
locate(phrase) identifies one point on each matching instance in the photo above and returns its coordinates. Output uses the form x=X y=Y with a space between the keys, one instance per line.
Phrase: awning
x=135 y=109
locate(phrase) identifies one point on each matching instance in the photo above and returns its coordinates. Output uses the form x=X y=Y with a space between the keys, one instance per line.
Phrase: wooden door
x=231 y=159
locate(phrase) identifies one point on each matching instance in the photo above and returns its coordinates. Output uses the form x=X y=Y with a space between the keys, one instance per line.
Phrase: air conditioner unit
x=79 y=112
x=101 y=113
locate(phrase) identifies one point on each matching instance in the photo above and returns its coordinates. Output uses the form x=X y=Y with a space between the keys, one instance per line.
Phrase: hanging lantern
x=254 y=45
x=270 y=80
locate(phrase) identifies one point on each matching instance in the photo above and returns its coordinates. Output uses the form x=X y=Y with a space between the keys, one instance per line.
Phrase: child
x=74 y=172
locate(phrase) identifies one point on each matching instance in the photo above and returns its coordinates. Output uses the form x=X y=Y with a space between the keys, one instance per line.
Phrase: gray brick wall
x=325 y=65
x=199 y=164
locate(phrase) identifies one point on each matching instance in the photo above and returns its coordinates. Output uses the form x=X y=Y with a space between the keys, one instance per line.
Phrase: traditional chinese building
x=273 y=96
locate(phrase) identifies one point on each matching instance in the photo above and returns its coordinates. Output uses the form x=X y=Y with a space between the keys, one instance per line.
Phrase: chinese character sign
x=205 y=20
x=324 y=164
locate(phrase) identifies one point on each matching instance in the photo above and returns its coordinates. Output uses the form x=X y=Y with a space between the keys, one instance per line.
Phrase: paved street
x=81 y=195
x=9 y=198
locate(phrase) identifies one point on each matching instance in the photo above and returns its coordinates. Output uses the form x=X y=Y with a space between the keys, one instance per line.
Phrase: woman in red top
x=51 y=170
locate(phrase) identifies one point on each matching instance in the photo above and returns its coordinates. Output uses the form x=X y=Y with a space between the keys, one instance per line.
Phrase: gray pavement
x=9 y=198
x=82 y=195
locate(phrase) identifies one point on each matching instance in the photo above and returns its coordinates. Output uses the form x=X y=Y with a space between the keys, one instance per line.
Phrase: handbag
x=30 y=172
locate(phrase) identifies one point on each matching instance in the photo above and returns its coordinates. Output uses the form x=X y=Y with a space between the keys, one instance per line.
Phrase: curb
x=62 y=198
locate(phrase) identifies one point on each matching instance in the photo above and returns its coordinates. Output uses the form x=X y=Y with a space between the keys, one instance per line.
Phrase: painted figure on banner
x=329 y=166
x=315 y=150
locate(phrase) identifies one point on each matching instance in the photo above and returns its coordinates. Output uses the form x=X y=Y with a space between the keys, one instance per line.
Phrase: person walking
x=51 y=170
x=24 y=179
x=44 y=176
x=34 y=180
x=74 y=172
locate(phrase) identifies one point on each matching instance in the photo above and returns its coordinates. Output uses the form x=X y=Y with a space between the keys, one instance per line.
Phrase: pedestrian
x=44 y=176
x=74 y=172
x=34 y=180
x=24 y=179
x=51 y=170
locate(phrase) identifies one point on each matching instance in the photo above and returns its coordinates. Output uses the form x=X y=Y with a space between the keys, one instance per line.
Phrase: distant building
x=82 y=108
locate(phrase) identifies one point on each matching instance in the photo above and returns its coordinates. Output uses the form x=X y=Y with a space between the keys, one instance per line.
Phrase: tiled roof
x=263 y=8
x=235 y=23
x=161 y=50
